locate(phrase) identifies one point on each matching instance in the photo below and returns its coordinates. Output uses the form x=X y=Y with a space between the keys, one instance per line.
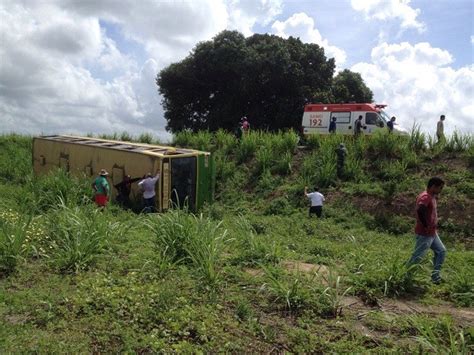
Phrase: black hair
x=435 y=181
x=316 y=188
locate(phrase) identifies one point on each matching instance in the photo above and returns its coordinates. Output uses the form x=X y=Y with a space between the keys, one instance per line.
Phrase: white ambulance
x=317 y=117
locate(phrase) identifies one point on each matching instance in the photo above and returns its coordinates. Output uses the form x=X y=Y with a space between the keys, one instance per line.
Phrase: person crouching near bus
x=101 y=188
x=317 y=200
x=147 y=185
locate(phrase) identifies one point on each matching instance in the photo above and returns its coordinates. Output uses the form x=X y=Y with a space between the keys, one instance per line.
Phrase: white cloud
x=418 y=86
x=60 y=71
x=302 y=26
x=390 y=9
x=244 y=14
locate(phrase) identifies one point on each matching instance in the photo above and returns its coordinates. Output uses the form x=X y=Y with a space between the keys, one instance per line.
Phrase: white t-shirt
x=148 y=186
x=316 y=198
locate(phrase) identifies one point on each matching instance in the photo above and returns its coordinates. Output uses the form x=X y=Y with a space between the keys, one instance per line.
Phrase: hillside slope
x=252 y=272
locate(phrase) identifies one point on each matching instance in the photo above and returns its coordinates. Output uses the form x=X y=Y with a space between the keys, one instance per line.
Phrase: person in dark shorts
x=317 y=200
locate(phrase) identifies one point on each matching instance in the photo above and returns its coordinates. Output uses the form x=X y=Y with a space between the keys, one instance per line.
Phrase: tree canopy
x=264 y=77
x=350 y=87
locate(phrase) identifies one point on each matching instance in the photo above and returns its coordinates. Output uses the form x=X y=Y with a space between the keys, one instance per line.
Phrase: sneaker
x=438 y=281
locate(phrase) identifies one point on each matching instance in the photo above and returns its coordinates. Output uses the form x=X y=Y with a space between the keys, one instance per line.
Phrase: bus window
x=183 y=182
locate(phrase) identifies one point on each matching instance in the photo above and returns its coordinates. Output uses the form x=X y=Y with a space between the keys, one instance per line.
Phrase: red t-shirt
x=432 y=216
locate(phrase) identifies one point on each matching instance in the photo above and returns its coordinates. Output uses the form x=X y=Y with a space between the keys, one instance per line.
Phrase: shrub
x=279 y=206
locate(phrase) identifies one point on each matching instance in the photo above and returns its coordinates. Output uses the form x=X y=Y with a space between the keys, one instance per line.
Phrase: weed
x=291 y=292
x=13 y=235
x=440 y=335
x=417 y=141
x=334 y=293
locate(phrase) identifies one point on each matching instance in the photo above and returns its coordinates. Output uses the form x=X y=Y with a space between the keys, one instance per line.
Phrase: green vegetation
x=265 y=77
x=251 y=272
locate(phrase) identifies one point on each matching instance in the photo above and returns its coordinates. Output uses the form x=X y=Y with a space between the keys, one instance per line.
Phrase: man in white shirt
x=147 y=185
x=316 y=199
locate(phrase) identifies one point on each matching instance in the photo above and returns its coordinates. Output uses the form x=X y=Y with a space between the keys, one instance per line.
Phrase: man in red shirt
x=426 y=228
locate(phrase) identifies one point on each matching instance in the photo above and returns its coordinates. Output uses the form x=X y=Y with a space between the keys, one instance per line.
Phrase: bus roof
x=148 y=149
x=344 y=107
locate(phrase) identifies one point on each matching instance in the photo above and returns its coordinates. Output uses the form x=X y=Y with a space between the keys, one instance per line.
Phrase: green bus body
x=187 y=176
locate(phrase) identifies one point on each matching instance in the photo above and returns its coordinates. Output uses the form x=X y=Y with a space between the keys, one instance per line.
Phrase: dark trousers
x=318 y=210
x=149 y=204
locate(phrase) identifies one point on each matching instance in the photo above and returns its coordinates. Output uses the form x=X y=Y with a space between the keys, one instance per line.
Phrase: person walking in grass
x=147 y=185
x=426 y=228
x=440 y=129
x=316 y=199
x=101 y=189
x=341 y=153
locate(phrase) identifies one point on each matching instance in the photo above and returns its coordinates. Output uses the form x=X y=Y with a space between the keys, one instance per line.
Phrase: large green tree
x=349 y=86
x=264 y=77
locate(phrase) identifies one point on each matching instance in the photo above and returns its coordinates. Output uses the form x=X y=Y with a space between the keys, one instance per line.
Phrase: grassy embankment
x=252 y=273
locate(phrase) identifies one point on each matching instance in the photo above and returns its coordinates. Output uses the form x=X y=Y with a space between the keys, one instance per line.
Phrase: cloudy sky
x=80 y=66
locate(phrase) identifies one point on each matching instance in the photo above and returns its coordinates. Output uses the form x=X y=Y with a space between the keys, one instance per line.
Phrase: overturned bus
x=187 y=176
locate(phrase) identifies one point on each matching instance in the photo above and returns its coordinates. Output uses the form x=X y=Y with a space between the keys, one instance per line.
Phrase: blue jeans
x=423 y=244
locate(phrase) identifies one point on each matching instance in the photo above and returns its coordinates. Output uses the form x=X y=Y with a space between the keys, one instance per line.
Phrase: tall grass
x=440 y=335
x=417 y=141
x=56 y=188
x=334 y=293
x=458 y=142
x=13 y=235
x=291 y=292
x=15 y=158
x=187 y=238
x=225 y=142
x=78 y=236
